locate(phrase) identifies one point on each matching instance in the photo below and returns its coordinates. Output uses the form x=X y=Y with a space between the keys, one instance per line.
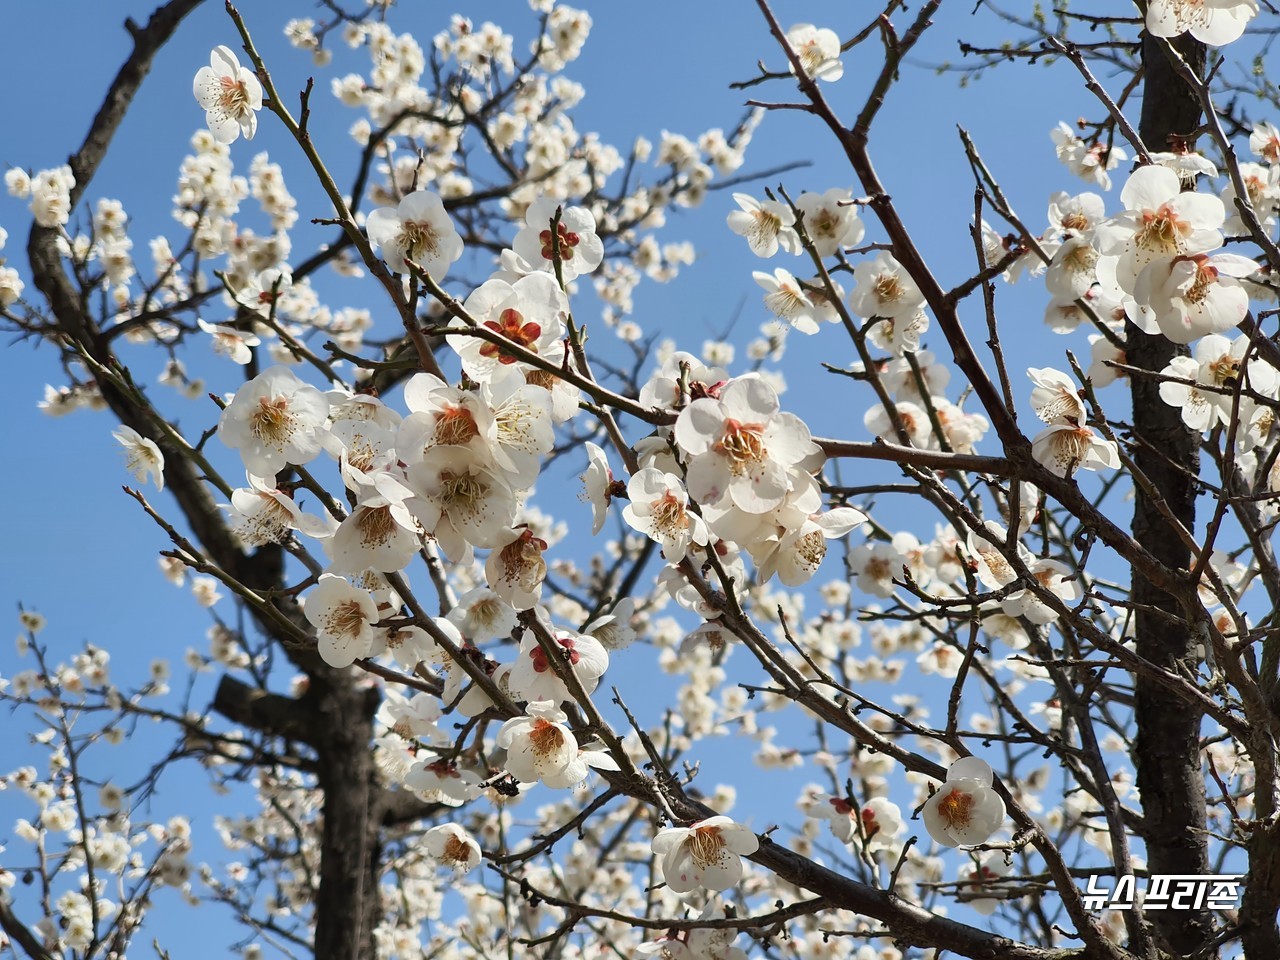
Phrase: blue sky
x=82 y=553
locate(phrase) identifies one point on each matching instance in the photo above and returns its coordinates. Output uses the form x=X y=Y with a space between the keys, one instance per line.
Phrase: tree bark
x=1166 y=750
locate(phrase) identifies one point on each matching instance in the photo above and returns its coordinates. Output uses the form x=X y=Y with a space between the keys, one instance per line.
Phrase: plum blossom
x=344 y=618
x=979 y=879
x=767 y=225
x=1064 y=448
x=1088 y=161
x=515 y=569
x=818 y=50
x=965 y=811
x=461 y=500
x=875 y=823
x=1159 y=222
x=437 y=780
x=1264 y=142
x=261 y=513
x=1215 y=22
x=830 y=220
x=380 y=533
x=659 y=510
x=534 y=678
x=1190 y=296
x=1055 y=397
x=707 y=853
x=1051 y=575
x=576 y=243
x=538 y=744
x=142 y=457
x=418 y=229
x=741 y=446
x=263 y=291
x=230 y=95
x=529 y=312
x=274 y=420
x=453 y=847
x=231 y=343
x=597 y=486
x=788 y=300
x=882 y=288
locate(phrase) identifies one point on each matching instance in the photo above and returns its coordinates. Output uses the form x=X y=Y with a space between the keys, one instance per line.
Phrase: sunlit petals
x=230 y=95
x=965 y=811
x=707 y=854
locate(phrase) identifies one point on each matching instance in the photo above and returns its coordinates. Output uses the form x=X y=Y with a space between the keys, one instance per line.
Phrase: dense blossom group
x=698 y=464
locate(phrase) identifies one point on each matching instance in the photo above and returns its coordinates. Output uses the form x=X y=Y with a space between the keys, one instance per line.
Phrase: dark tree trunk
x=347 y=901
x=1166 y=751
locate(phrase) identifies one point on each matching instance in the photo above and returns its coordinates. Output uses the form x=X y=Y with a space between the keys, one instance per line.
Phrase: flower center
x=705 y=844
x=669 y=516
x=346 y=619
x=271 y=422
x=1161 y=231
x=511 y=325
x=786 y=301
x=545 y=737
x=376 y=525
x=764 y=227
x=542 y=378
x=742 y=443
x=420 y=239
x=234 y=98
x=824 y=224
x=1206 y=277
x=455 y=426
x=956 y=808
x=1225 y=370
x=456 y=850
x=888 y=288
x=566 y=240
x=1075 y=221
x=539 y=656
x=522 y=560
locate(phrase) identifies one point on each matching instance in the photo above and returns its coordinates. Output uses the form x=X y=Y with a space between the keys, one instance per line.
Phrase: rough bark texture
x=1166 y=751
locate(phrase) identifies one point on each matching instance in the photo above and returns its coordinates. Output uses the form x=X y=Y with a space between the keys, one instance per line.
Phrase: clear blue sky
x=78 y=550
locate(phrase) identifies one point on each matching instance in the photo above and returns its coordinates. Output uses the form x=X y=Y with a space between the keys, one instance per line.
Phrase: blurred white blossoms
x=965 y=811
x=575 y=241
x=818 y=50
x=418 y=229
x=274 y=420
x=707 y=853
x=1215 y=22
x=767 y=225
x=142 y=457
x=231 y=96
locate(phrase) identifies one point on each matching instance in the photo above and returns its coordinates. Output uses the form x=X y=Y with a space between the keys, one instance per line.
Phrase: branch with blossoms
x=422 y=714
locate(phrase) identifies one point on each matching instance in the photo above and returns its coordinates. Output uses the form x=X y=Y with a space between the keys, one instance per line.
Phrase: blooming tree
x=472 y=733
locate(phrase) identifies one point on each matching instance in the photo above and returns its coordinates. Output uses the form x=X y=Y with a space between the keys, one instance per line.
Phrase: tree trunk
x=1166 y=751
